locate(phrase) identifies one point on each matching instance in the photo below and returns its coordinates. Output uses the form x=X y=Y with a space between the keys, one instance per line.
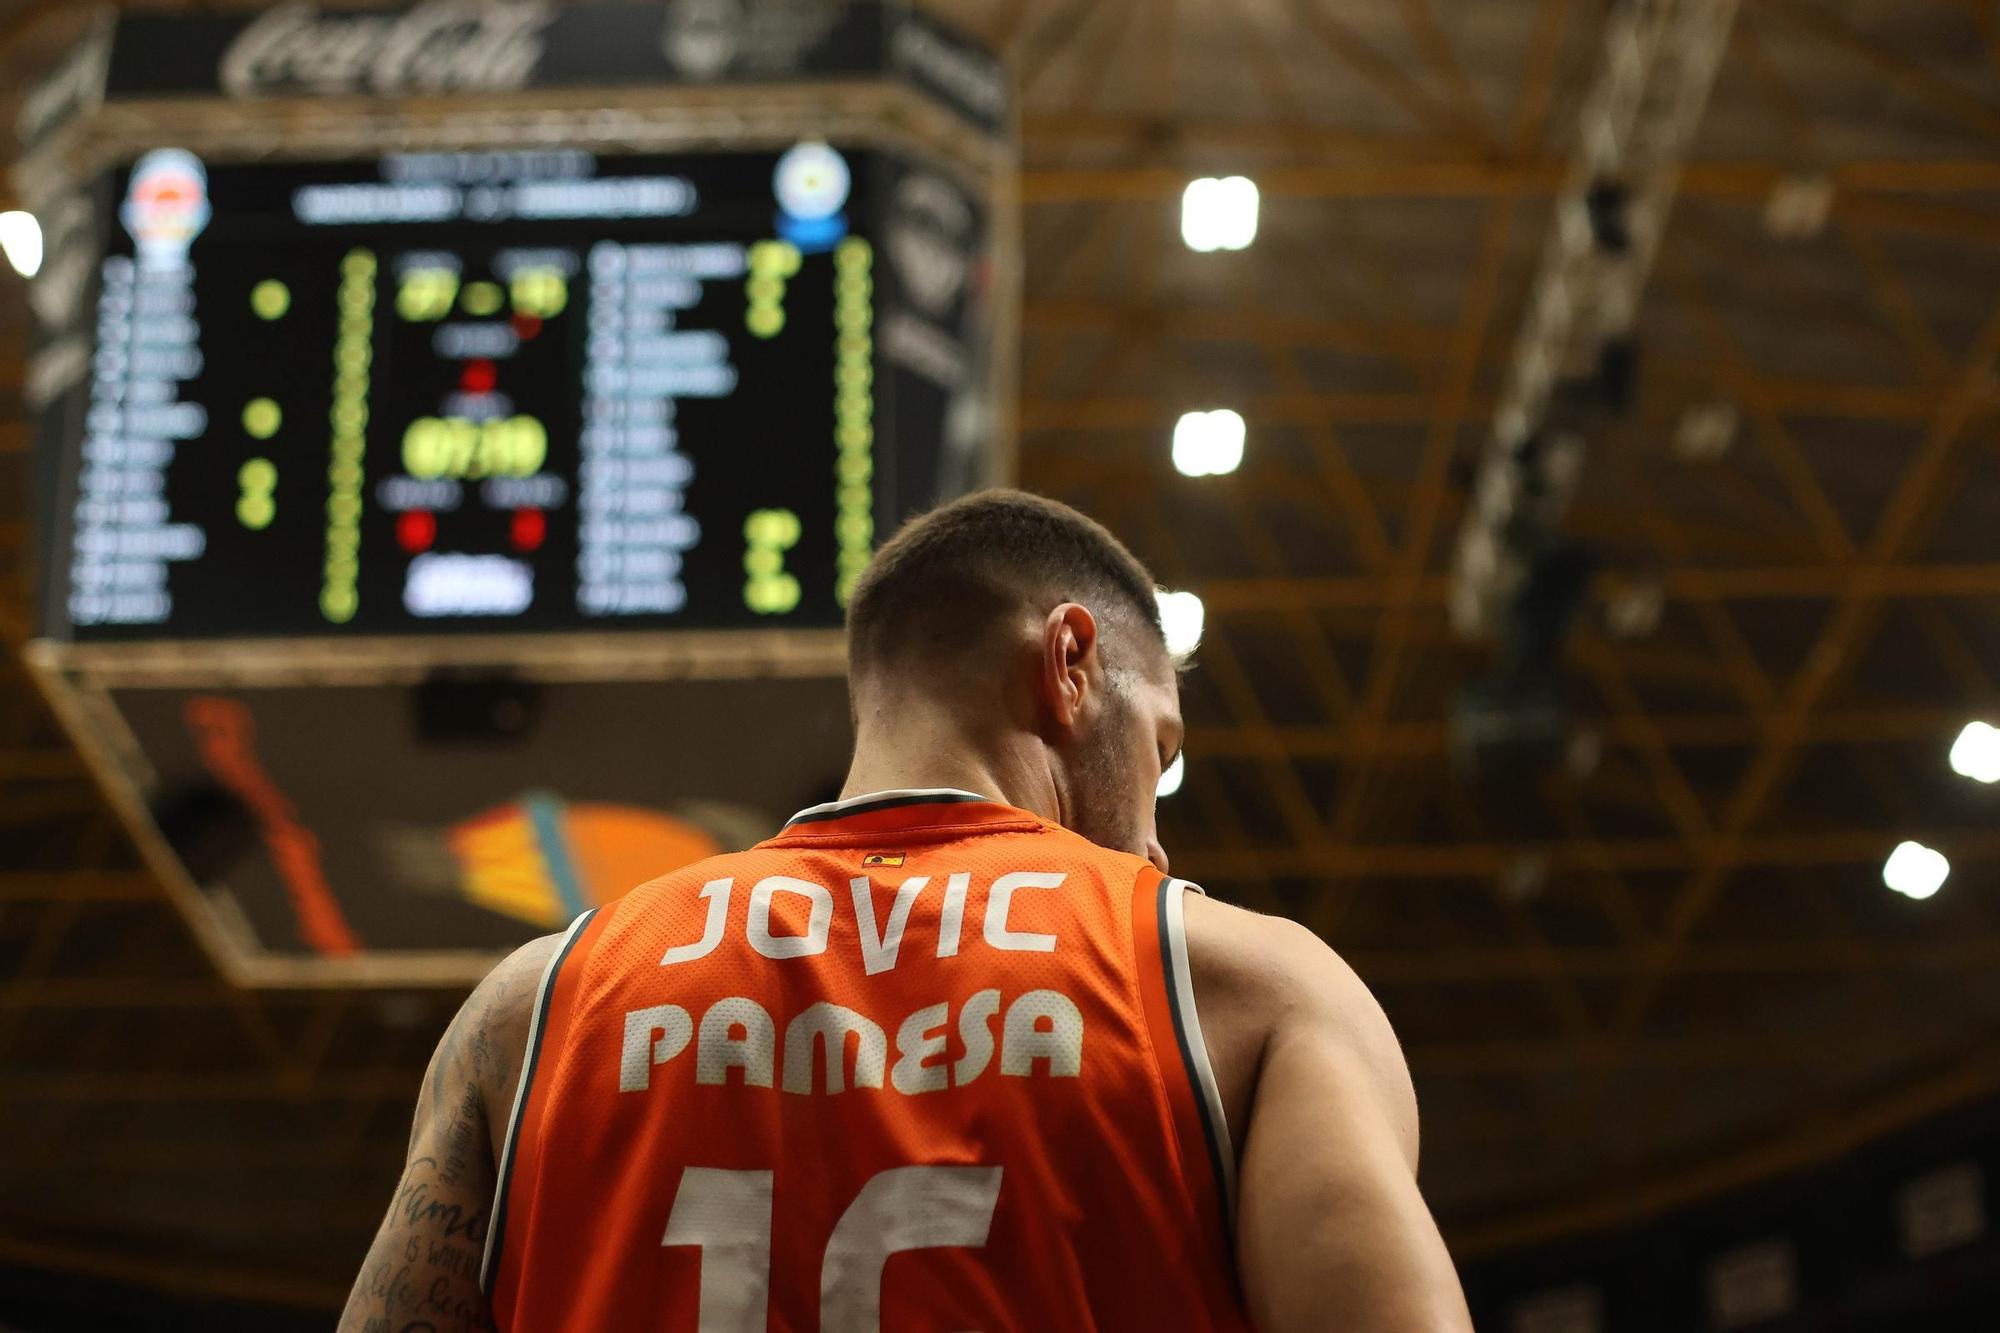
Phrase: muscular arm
x=422 y=1272
x=1331 y=1229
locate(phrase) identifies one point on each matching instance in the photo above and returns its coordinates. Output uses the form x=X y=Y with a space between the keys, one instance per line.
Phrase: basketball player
x=953 y=1052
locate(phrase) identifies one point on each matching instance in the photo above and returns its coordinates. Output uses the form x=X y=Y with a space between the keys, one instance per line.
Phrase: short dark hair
x=949 y=575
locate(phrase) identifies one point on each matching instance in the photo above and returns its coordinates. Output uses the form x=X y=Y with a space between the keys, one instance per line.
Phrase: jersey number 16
x=728 y=1215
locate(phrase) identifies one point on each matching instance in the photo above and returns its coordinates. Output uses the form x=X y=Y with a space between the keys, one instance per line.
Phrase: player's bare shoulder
x=1260 y=979
x=496 y=1022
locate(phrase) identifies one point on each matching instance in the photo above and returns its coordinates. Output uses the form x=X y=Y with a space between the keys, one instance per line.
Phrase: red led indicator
x=416 y=530
x=478 y=377
x=527 y=326
x=530 y=526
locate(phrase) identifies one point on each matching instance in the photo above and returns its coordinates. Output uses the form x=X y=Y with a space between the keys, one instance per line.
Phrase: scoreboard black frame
x=489 y=392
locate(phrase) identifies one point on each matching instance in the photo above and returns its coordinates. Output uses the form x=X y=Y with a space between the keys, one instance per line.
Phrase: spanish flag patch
x=882 y=859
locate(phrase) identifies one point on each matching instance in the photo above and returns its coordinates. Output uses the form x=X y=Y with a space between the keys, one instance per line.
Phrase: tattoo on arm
x=422 y=1272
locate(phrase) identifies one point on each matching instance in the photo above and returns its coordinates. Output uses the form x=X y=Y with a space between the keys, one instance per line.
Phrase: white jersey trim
x=910 y=795
x=1197 y=1046
x=496 y=1216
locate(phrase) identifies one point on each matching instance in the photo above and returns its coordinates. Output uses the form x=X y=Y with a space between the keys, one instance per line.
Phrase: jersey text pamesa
x=1039 y=1026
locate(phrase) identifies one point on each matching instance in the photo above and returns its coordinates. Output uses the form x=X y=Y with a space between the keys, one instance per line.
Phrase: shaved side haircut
x=936 y=591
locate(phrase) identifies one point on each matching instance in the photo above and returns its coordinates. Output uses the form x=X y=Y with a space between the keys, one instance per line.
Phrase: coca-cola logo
x=443 y=46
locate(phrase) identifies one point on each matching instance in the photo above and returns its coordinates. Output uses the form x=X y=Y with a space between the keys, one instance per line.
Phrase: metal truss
x=1660 y=60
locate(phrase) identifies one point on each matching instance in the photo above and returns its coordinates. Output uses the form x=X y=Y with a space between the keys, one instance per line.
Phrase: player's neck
x=916 y=748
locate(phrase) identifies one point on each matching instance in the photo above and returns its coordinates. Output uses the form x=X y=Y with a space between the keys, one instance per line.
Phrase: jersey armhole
x=1193 y=1098
x=514 y=1179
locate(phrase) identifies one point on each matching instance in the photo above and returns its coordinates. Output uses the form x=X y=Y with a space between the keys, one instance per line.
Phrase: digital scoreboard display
x=546 y=390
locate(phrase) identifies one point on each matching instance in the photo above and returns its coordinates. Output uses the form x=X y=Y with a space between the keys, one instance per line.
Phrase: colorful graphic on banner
x=543 y=861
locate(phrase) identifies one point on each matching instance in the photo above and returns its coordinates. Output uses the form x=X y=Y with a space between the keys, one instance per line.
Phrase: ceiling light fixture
x=21 y=241
x=1976 y=752
x=1181 y=618
x=1219 y=214
x=1914 y=870
x=1209 y=444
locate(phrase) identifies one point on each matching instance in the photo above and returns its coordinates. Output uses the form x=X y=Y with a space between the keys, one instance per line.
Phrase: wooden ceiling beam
x=1428 y=501
x=1420 y=18
x=196 y=1087
x=1973 y=113
x=48 y=801
x=1143 y=412
x=1351 y=863
x=1613 y=892
x=1415 y=406
x=1344 y=486
x=1388 y=77
x=1725 y=637
x=1839 y=644
x=1760 y=958
x=1482 y=1059
x=1360 y=178
x=1557 y=986
x=1396 y=175
x=1061 y=25
x=1246 y=324
x=1770 y=435
x=1293 y=802
x=1052 y=136
x=1677 y=796
x=1872 y=726
x=78 y=886
x=1972 y=226
x=39 y=765
x=1249 y=596
x=113 y=992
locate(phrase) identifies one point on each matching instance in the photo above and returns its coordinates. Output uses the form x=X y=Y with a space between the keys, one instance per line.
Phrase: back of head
x=949 y=581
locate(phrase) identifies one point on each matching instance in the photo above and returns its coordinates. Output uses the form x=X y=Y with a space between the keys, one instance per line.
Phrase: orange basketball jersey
x=922 y=1061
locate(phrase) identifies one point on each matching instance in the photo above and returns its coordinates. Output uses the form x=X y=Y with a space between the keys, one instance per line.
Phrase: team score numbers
x=454 y=447
x=256 y=504
x=426 y=295
x=540 y=292
x=767 y=535
x=727 y=1214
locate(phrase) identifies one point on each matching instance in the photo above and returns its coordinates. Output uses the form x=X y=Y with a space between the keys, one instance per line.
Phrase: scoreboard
x=460 y=428
x=439 y=392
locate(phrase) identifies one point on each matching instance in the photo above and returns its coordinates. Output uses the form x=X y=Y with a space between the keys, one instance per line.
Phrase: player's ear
x=1070 y=670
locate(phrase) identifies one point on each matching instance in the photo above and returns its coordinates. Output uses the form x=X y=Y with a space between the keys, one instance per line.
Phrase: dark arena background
x=437 y=445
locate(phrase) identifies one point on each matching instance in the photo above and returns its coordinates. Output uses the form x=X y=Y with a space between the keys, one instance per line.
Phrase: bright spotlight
x=1219 y=214
x=1170 y=781
x=21 y=241
x=1914 y=870
x=1976 y=753
x=1208 y=444
x=1181 y=617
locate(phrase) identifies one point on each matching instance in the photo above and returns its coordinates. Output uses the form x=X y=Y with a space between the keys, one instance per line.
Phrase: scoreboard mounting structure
x=463 y=372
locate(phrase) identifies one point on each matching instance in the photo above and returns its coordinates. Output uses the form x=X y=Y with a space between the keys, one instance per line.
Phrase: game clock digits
x=479 y=391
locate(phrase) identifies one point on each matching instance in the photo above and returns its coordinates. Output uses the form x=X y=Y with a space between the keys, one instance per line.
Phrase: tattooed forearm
x=423 y=1270
x=463 y=1141
x=422 y=1274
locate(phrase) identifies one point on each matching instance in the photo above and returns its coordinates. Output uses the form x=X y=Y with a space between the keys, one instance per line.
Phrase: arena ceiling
x=1662 y=965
